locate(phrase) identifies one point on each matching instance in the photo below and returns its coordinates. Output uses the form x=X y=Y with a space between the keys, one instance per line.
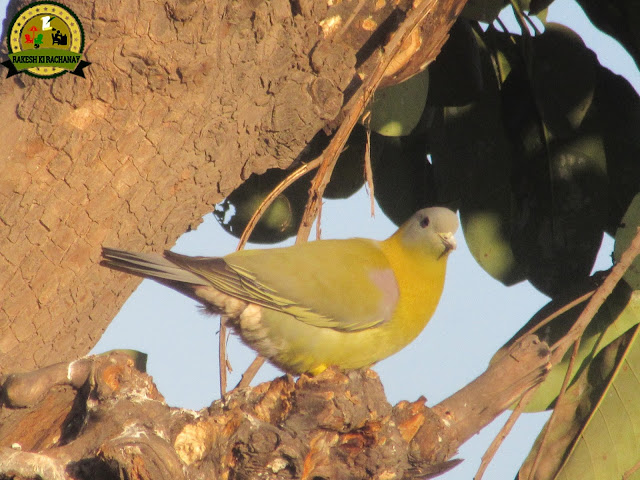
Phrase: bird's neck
x=414 y=266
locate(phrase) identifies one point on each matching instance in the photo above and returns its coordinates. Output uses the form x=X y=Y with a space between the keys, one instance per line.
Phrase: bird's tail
x=153 y=266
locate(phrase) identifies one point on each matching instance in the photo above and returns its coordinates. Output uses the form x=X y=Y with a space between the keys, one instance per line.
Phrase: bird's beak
x=448 y=241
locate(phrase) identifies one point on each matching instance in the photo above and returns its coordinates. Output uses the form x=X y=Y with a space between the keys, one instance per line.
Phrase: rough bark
x=182 y=101
x=101 y=418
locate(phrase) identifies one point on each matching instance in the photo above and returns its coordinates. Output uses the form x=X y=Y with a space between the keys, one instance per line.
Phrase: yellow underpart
x=420 y=276
x=312 y=349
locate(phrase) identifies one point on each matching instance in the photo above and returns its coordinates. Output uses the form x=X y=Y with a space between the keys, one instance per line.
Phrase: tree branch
x=334 y=425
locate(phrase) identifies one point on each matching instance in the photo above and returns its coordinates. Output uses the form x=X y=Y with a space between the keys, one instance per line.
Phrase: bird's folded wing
x=347 y=285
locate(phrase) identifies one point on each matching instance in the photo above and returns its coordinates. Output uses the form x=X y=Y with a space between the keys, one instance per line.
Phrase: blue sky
x=475 y=317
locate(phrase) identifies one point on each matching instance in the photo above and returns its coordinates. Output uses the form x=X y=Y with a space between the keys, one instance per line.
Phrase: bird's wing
x=342 y=284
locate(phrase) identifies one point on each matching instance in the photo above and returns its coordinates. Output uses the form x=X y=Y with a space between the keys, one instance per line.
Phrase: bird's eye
x=424 y=222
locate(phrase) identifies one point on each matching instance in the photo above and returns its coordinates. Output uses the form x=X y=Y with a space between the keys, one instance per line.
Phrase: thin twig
x=532 y=24
x=502 y=25
x=318 y=225
x=520 y=18
x=363 y=95
x=368 y=171
x=349 y=21
x=631 y=471
x=251 y=372
x=503 y=433
x=560 y=311
x=268 y=200
x=554 y=416
x=222 y=356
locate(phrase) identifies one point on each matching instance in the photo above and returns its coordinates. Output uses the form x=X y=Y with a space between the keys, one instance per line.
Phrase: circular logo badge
x=46 y=40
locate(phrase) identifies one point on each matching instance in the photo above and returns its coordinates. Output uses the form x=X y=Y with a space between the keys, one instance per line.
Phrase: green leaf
x=619 y=19
x=539 y=8
x=472 y=168
x=402 y=177
x=483 y=10
x=280 y=221
x=455 y=77
x=560 y=188
x=618 y=112
x=624 y=236
x=486 y=226
x=563 y=78
x=505 y=48
x=397 y=109
x=596 y=434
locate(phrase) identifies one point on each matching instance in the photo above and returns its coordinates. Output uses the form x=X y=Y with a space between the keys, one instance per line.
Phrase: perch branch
x=470 y=409
x=320 y=425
